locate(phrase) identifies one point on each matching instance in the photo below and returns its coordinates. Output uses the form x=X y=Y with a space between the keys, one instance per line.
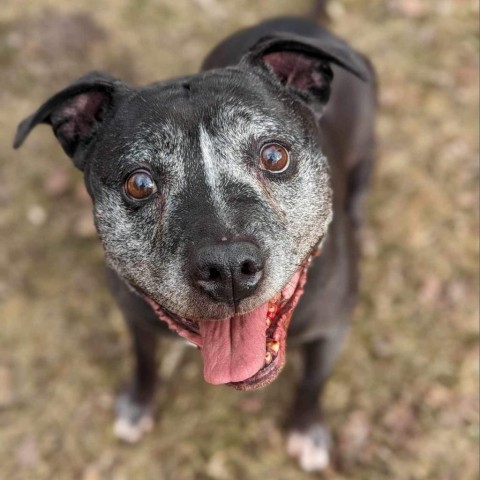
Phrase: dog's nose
x=227 y=272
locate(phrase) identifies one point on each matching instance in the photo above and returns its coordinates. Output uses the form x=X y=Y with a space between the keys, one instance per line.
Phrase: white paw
x=132 y=432
x=310 y=448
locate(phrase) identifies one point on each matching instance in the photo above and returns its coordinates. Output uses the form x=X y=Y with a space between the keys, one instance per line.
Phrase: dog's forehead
x=212 y=98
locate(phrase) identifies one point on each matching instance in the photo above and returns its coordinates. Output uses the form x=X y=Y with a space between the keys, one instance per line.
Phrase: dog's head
x=210 y=193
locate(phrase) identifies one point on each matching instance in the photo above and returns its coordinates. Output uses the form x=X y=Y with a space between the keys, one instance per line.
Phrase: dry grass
x=403 y=402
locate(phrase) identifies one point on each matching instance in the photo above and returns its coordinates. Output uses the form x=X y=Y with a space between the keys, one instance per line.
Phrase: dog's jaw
x=279 y=311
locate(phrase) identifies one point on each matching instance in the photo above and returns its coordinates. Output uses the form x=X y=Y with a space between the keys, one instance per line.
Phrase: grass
x=403 y=402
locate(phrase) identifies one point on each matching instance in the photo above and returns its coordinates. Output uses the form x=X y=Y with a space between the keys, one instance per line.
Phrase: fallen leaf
x=57 y=183
x=26 y=454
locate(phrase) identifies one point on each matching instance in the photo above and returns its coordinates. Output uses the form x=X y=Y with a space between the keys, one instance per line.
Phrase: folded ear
x=75 y=113
x=302 y=64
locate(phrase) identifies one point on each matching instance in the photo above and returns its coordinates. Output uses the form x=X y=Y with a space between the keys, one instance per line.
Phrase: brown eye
x=274 y=158
x=140 y=185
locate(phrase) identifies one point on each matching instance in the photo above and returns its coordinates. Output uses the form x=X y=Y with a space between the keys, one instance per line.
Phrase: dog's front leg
x=134 y=406
x=309 y=437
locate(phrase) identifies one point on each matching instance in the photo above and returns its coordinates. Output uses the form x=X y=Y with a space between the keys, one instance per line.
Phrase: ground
x=403 y=402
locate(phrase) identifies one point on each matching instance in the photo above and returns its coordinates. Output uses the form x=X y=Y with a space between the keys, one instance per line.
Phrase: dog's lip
x=277 y=332
x=192 y=324
x=190 y=328
x=269 y=372
x=170 y=308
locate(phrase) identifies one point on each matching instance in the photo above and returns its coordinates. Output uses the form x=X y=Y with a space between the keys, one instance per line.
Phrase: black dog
x=213 y=196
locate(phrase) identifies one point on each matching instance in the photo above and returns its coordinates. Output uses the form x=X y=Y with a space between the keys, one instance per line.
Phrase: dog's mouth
x=245 y=351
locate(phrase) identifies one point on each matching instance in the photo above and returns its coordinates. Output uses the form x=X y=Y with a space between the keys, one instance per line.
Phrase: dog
x=229 y=204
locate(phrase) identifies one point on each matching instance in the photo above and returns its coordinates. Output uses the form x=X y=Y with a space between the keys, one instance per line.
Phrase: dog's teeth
x=268 y=358
x=274 y=346
x=268 y=322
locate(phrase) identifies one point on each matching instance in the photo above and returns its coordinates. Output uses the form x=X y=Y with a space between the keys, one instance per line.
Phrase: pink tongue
x=234 y=349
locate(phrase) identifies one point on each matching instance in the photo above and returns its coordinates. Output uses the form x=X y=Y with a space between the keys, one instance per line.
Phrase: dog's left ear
x=302 y=65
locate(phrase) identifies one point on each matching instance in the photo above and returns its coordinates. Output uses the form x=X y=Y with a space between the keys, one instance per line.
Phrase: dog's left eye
x=274 y=158
x=140 y=185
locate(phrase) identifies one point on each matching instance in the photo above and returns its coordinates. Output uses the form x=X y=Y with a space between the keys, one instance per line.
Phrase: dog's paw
x=310 y=447
x=133 y=420
x=130 y=432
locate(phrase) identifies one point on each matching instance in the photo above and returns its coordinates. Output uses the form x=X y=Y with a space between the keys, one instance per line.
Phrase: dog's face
x=201 y=141
x=195 y=177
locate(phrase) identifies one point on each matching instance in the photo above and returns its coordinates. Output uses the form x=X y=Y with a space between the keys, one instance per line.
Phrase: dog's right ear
x=76 y=113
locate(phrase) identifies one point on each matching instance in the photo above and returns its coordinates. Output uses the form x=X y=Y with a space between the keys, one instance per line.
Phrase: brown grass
x=403 y=402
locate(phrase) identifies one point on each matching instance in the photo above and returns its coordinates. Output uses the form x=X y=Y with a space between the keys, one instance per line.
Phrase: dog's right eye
x=140 y=185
